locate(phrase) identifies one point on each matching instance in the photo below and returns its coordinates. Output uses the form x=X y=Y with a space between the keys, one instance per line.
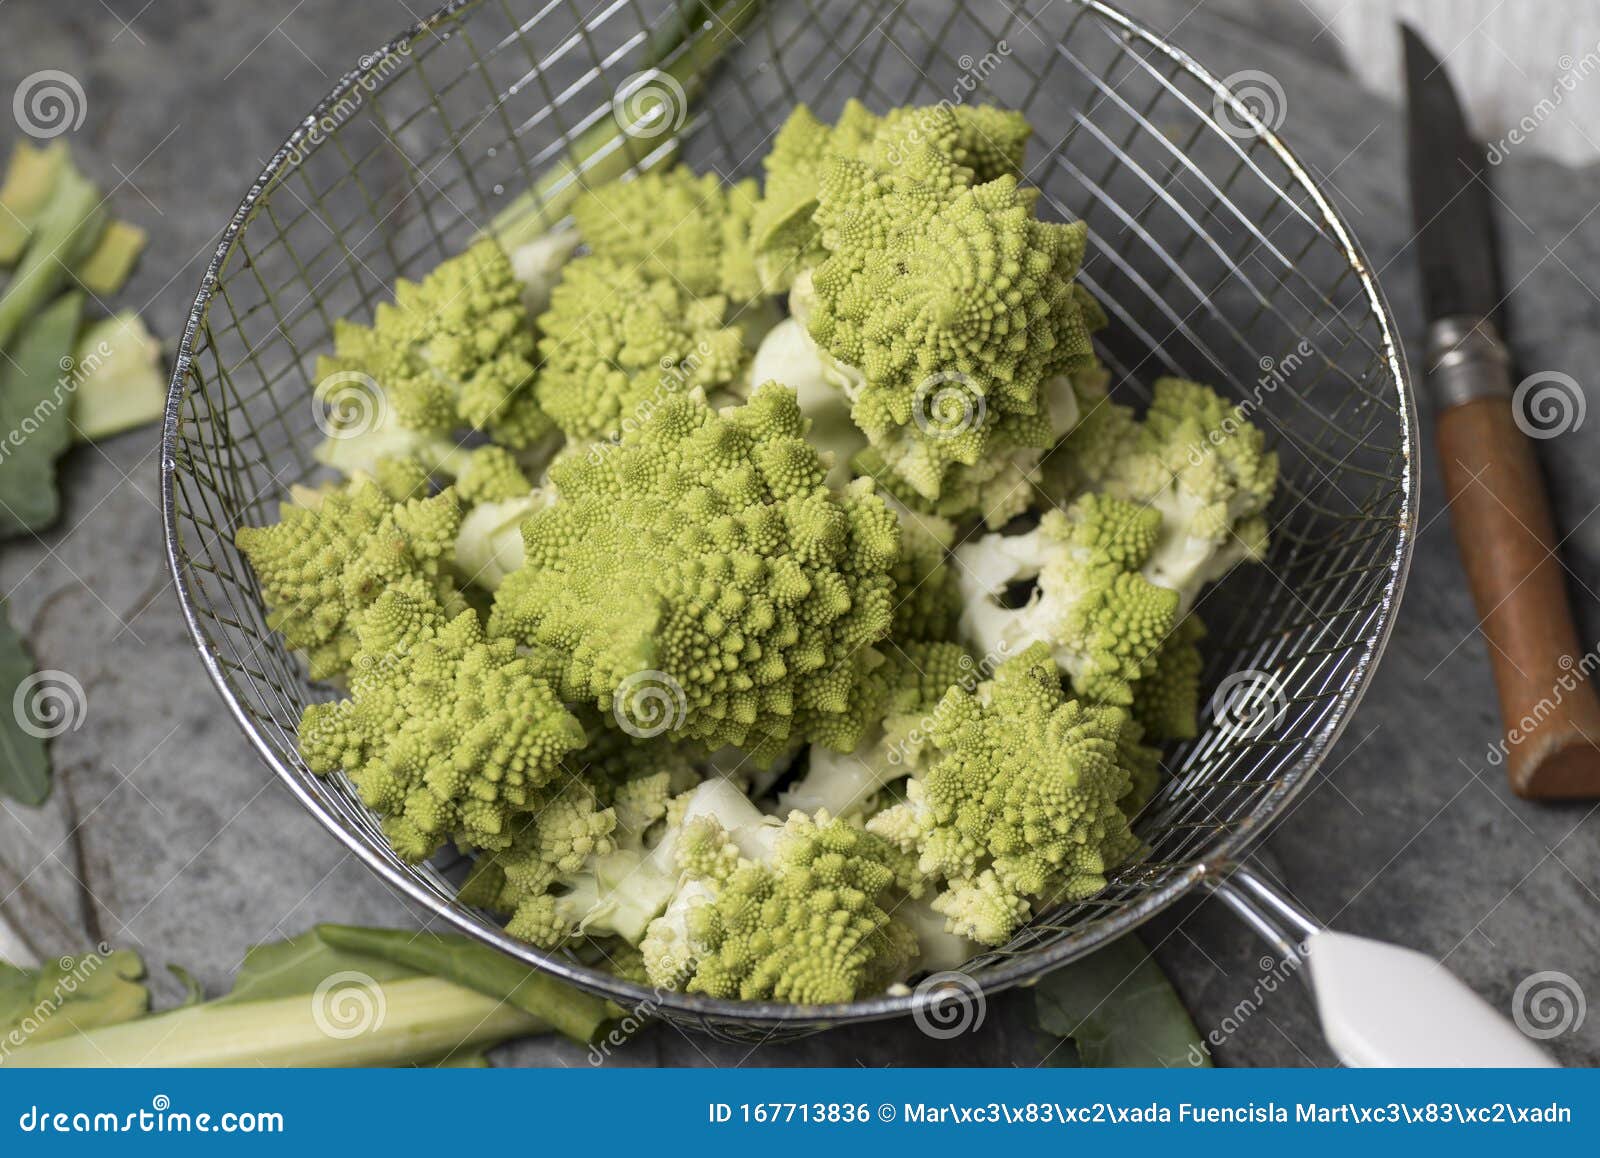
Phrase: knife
x=1498 y=506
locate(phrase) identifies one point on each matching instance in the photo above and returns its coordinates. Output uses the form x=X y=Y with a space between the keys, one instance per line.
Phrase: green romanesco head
x=981 y=143
x=954 y=303
x=699 y=580
x=455 y=349
x=617 y=345
x=1019 y=811
x=446 y=734
x=675 y=225
x=337 y=550
x=807 y=923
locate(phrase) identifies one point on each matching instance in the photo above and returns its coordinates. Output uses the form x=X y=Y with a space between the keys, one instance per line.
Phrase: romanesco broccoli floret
x=455 y=349
x=981 y=143
x=336 y=551
x=616 y=345
x=446 y=734
x=1166 y=700
x=898 y=698
x=1195 y=458
x=955 y=305
x=1019 y=810
x=678 y=226
x=575 y=869
x=703 y=566
x=789 y=356
x=1100 y=617
x=797 y=911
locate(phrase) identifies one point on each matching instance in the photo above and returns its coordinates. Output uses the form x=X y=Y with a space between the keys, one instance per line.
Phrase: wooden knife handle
x=1507 y=543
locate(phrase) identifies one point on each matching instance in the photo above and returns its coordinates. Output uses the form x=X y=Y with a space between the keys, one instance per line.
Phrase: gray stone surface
x=168 y=835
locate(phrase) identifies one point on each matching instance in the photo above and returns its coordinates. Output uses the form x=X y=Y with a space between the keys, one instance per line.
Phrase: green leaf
x=24 y=762
x=35 y=416
x=70 y=995
x=578 y=1015
x=1119 y=1009
x=297 y=966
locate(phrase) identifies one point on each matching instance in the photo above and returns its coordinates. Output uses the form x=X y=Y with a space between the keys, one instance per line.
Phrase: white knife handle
x=1380 y=1004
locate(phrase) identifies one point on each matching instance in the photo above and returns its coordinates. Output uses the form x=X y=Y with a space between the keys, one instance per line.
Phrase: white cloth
x=1527 y=70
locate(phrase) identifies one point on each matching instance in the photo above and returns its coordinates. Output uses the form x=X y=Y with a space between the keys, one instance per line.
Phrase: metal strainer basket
x=1214 y=252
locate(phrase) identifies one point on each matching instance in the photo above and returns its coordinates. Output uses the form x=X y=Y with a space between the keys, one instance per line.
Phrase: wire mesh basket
x=1210 y=247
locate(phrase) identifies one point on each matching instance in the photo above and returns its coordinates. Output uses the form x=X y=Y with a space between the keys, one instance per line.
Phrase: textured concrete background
x=167 y=835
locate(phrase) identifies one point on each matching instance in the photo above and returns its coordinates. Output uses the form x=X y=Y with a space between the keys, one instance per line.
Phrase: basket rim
x=1018 y=970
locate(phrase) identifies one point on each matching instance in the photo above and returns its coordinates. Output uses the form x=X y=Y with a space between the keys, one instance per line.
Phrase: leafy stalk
x=423 y=1019
x=64 y=232
x=466 y=962
x=333 y=996
x=684 y=49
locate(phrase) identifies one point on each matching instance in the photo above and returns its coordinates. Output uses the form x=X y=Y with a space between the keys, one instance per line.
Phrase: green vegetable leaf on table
x=1119 y=1010
x=24 y=762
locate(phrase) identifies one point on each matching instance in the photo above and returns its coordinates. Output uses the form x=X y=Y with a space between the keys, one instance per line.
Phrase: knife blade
x=1457 y=243
x=1498 y=507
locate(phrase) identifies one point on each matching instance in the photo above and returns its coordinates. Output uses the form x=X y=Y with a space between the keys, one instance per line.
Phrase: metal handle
x=1380 y=1004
